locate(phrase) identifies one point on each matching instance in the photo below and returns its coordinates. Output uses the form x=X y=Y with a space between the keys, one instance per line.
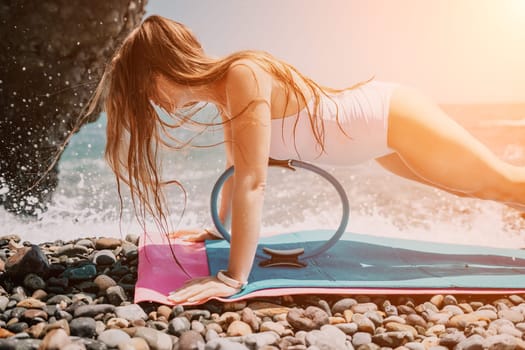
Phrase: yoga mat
x=357 y=264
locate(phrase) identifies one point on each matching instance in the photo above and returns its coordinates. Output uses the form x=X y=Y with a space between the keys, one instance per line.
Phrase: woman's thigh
x=393 y=163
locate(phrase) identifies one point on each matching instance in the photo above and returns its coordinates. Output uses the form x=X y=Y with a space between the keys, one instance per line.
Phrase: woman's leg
x=393 y=163
x=442 y=153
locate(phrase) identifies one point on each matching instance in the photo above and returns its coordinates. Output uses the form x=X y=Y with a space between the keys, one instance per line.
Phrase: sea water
x=86 y=202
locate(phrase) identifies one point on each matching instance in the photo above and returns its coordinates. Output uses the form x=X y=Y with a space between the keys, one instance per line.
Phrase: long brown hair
x=135 y=131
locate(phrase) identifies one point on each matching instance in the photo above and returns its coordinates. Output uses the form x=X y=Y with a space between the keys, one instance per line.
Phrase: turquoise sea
x=86 y=201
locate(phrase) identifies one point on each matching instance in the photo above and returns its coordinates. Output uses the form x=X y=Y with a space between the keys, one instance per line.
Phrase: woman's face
x=169 y=95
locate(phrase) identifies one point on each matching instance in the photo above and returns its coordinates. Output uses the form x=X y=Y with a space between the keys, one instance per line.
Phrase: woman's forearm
x=226 y=201
x=247 y=202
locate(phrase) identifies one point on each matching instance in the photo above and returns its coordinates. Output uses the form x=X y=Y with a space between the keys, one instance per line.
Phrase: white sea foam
x=380 y=205
x=86 y=202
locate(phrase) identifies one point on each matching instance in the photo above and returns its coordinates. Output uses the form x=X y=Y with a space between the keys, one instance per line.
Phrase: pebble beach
x=79 y=295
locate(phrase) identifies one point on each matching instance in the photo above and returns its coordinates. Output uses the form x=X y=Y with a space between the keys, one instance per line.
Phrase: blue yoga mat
x=361 y=261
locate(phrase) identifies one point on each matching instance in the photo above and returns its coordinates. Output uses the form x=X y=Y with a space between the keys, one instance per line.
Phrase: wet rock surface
x=79 y=303
x=53 y=55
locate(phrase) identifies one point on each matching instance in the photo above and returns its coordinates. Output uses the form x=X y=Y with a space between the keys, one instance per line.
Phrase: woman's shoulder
x=245 y=81
x=245 y=72
x=245 y=66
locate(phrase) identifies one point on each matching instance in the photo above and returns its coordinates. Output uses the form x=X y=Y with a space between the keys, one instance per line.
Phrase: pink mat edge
x=273 y=292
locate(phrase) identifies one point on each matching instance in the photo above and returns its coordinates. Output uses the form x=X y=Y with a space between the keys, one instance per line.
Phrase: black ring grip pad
x=283 y=257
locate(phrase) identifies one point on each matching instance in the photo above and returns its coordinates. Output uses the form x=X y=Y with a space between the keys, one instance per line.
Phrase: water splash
x=86 y=203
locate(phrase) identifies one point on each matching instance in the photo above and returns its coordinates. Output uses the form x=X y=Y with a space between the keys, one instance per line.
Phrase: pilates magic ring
x=288 y=257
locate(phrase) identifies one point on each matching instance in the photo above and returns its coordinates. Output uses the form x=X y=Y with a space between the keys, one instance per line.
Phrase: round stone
x=138 y=344
x=179 y=325
x=164 y=311
x=93 y=310
x=328 y=337
x=39 y=294
x=116 y=295
x=155 y=339
x=323 y=304
x=31 y=303
x=363 y=323
x=309 y=319
x=502 y=341
x=347 y=328
x=460 y=321
x=34 y=282
x=344 y=304
x=191 y=340
x=32 y=314
x=361 y=338
x=437 y=300
x=249 y=317
x=416 y=320
x=391 y=310
x=104 y=282
x=114 y=337
x=55 y=339
x=58 y=299
x=435 y=330
x=107 y=243
x=450 y=340
x=521 y=326
x=364 y=308
x=84 y=327
x=512 y=315
x=406 y=310
x=198 y=327
x=132 y=238
x=82 y=273
x=104 y=257
x=224 y=344
x=482 y=313
x=117 y=322
x=129 y=250
x=450 y=300
x=414 y=346
x=393 y=319
x=273 y=326
x=392 y=339
x=394 y=326
x=131 y=312
x=238 y=328
x=516 y=299
x=196 y=314
x=71 y=250
x=453 y=310
x=474 y=342
x=3 y=302
x=377 y=318
x=84 y=242
x=17 y=327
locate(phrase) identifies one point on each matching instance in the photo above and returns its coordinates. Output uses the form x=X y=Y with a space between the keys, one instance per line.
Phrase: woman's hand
x=194 y=235
x=200 y=290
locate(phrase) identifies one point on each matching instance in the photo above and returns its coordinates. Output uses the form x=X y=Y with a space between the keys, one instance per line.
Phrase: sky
x=455 y=51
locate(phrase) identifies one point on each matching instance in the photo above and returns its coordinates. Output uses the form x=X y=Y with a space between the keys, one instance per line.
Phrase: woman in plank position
x=269 y=109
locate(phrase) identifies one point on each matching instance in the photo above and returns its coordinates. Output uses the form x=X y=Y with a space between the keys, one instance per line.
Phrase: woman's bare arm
x=249 y=94
x=248 y=90
x=226 y=193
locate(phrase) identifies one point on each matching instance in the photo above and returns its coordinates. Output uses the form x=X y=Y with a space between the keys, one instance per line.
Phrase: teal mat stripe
x=360 y=261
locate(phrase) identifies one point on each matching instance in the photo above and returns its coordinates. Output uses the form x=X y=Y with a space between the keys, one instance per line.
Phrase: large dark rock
x=53 y=54
x=27 y=260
